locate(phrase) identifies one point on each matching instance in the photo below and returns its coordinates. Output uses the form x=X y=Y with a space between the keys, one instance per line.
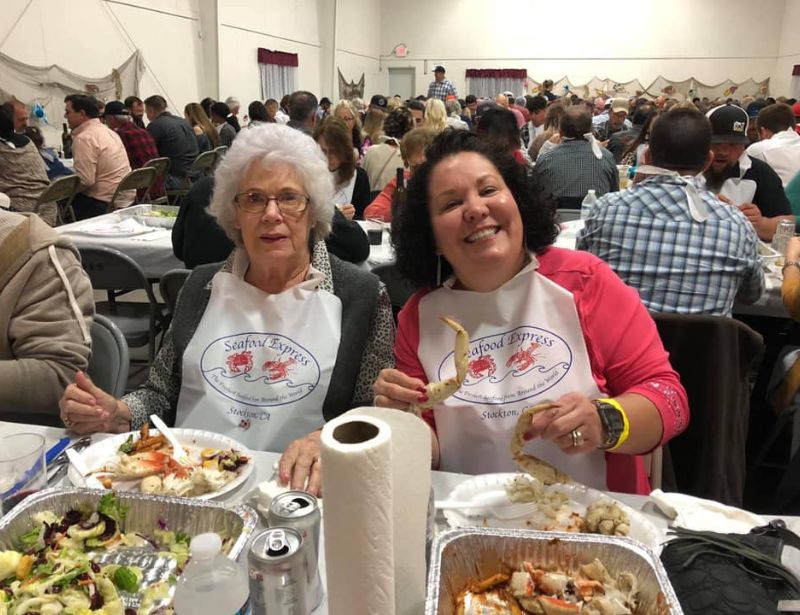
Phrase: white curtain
x=277 y=81
x=491 y=87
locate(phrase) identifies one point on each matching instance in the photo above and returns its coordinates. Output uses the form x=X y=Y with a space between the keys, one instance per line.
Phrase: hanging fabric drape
x=278 y=71
x=795 y=87
x=488 y=82
x=48 y=85
x=660 y=86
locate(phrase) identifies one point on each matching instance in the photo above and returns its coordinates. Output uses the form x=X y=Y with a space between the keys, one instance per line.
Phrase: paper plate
x=641 y=528
x=193 y=440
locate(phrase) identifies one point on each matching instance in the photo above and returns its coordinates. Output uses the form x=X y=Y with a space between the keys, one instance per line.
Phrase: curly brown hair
x=412 y=233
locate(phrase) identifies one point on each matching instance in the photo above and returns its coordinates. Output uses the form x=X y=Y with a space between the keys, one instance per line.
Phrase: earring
x=438 y=270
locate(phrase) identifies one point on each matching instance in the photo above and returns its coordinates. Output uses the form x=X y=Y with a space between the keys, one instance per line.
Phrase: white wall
x=788 y=52
x=358 y=45
x=711 y=40
x=90 y=37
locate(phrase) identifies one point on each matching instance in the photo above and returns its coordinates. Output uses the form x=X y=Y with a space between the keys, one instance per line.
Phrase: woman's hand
x=86 y=408
x=571 y=413
x=394 y=389
x=348 y=210
x=300 y=466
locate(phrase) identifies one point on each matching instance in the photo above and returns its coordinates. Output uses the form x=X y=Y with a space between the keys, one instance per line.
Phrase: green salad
x=161 y=213
x=52 y=572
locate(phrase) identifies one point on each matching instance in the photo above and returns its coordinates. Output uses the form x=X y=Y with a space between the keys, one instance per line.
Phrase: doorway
x=402 y=81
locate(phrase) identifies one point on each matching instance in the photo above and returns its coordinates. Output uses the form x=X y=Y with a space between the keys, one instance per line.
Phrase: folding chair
x=113 y=271
x=138 y=179
x=170 y=286
x=63 y=191
x=161 y=165
x=712 y=355
x=201 y=167
x=110 y=362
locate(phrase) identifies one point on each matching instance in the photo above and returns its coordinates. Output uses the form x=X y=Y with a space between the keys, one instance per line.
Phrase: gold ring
x=577 y=438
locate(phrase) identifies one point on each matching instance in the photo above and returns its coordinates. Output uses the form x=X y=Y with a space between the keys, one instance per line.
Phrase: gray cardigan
x=366 y=346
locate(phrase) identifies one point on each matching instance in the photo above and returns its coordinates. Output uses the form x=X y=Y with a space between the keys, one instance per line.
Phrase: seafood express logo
x=512 y=366
x=260 y=369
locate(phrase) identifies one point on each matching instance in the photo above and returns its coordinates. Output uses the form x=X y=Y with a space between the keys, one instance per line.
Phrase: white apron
x=258 y=366
x=526 y=347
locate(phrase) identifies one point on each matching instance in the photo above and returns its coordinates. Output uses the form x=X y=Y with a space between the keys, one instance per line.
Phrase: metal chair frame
x=62 y=189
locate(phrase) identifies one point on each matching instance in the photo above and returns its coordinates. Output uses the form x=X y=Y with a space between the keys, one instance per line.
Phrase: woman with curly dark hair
x=545 y=325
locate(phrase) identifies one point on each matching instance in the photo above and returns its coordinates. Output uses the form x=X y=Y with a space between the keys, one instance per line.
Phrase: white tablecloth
x=378 y=254
x=443 y=484
x=152 y=251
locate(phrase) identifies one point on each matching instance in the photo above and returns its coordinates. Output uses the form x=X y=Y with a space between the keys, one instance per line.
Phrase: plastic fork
x=494 y=502
x=178 y=453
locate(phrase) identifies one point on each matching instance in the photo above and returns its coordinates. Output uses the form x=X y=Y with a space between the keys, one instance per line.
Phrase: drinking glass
x=624 y=175
x=375 y=231
x=22 y=468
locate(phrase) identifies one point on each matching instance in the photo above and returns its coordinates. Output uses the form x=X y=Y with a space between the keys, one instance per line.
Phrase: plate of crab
x=521 y=501
x=143 y=461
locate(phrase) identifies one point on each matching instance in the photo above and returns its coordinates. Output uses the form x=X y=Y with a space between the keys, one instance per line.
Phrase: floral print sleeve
x=159 y=394
x=378 y=353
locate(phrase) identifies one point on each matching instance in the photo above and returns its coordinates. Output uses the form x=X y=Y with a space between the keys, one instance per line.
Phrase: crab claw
x=439 y=391
x=140 y=465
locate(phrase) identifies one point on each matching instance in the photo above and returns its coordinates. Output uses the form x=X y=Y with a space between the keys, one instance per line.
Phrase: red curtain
x=497 y=73
x=281 y=58
x=796 y=70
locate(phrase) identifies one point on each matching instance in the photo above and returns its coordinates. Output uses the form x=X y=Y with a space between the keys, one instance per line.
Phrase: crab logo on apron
x=540 y=357
x=260 y=369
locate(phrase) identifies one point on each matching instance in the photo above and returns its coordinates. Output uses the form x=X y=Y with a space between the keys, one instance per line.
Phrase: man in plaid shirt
x=572 y=168
x=139 y=144
x=441 y=88
x=678 y=245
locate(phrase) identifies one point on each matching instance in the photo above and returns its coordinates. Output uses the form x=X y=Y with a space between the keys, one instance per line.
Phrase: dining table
x=150 y=247
x=265 y=468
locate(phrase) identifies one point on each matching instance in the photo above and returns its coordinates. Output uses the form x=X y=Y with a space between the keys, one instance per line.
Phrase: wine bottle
x=399 y=196
x=66 y=142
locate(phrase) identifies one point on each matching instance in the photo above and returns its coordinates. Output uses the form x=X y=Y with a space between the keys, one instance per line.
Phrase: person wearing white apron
x=282 y=337
x=545 y=325
x=748 y=183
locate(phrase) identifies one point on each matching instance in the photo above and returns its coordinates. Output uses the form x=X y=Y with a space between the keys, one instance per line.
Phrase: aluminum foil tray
x=464 y=556
x=144 y=513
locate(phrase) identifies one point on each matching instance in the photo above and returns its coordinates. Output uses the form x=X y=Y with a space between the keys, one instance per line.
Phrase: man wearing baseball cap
x=440 y=87
x=614 y=122
x=139 y=144
x=728 y=142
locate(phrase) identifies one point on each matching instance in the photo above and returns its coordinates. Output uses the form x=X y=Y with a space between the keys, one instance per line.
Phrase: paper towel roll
x=376 y=481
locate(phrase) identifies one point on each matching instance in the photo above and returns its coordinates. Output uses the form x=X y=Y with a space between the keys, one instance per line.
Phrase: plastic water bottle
x=211 y=583
x=588 y=202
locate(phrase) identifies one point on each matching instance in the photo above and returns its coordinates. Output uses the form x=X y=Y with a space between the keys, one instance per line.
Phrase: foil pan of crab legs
x=497 y=572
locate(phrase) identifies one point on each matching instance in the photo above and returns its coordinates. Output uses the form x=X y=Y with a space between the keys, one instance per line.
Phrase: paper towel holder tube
x=355 y=432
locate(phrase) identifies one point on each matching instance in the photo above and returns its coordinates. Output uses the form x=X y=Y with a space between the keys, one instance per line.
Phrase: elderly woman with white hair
x=276 y=341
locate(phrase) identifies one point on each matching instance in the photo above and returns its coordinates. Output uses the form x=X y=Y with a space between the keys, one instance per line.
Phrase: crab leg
x=439 y=391
x=534 y=466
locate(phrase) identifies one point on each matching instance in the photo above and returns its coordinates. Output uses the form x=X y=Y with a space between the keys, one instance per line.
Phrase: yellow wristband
x=626 y=426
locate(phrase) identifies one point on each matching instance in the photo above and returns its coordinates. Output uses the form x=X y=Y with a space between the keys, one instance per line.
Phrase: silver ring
x=577 y=438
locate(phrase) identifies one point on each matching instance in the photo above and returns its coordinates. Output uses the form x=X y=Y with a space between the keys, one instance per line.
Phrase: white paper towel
x=376 y=481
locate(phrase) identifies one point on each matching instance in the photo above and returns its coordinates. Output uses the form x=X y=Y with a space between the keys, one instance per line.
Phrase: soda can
x=277 y=570
x=300 y=510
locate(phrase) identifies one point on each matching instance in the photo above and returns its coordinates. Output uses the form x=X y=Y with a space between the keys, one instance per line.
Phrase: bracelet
x=790 y=264
x=626 y=426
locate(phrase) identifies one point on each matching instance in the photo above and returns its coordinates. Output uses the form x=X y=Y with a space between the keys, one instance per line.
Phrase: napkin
x=704 y=515
x=377 y=483
x=126 y=226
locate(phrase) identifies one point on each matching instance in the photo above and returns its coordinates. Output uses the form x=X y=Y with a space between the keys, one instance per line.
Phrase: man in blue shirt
x=684 y=250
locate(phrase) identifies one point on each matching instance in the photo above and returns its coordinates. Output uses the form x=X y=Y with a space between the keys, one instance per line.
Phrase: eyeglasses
x=257 y=202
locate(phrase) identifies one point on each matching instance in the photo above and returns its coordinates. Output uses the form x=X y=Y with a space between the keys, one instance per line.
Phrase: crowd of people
x=274 y=245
